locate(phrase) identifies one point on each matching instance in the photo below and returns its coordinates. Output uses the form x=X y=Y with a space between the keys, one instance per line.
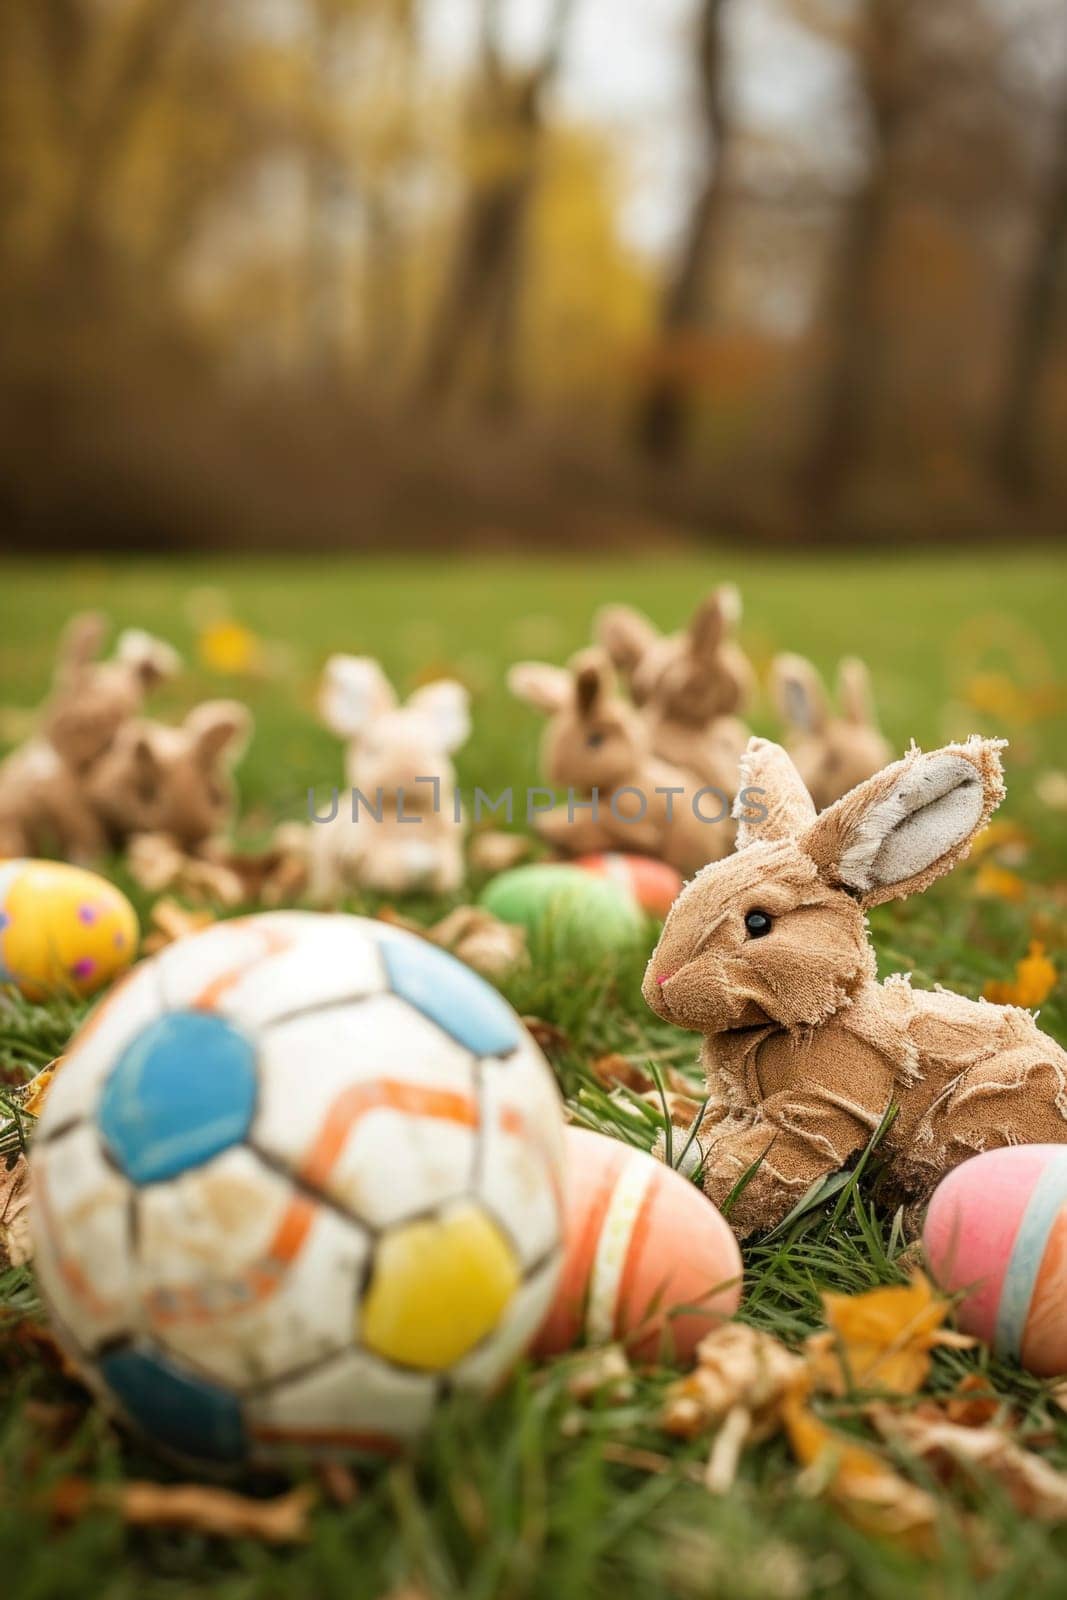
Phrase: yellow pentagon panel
x=439 y=1286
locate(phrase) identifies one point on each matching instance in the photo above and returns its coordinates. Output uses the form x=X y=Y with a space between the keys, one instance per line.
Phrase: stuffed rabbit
x=595 y=740
x=174 y=781
x=832 y=754
x=767 y=955
x=688 y=684
x=42 y=799
x=407 y=833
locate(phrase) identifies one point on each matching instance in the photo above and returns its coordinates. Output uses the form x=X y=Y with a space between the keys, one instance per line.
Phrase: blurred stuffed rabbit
x=174 y=781
x=407 y=833
x=596 y=741
x=767 y=954
x=43 y=800
x=689 y=685
x=831 y=753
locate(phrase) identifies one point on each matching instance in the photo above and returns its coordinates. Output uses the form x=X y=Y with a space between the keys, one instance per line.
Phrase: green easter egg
x=594 y=916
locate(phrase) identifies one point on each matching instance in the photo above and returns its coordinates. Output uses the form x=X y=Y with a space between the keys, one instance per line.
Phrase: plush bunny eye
x=757 y=923
x=594 y=741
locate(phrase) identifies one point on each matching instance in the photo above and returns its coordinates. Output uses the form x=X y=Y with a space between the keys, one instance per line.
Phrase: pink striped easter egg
x=648 y=1260
x=997 y=1228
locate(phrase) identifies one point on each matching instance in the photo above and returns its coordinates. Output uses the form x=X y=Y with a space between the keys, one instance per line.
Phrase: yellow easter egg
x=62 y=929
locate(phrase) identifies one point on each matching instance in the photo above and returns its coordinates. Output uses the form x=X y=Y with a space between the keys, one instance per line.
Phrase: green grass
x=510 y=1500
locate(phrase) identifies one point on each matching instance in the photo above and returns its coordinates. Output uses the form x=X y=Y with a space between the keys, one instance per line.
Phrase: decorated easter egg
x=997 y=1228
x=648 y=1259
x=564 y=905
x=62 y=929
x=296 y=1178
x=653 y=884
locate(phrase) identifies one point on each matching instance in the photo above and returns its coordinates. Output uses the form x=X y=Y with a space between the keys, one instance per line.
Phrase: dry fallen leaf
x=201 y=1507
x=735 y=1366
x=481 y=940
x=972 y=1403
x=15 y=1246
x=546 y=1035
x=880 y=1340
x=339 y=1483
x=1034 y=1486
x=738 y=1387
x=602 y=1371
x=495 y=851
x=170 y=922
x=867 y=1490
x=217 y=876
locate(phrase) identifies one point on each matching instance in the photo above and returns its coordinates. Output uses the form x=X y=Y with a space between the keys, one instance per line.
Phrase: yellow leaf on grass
x=1000 y=834
x=1035 y=978
x=879 y=1340
x=998 y=883
x=228 y=647
x=37 y=1088
x=863 y=1486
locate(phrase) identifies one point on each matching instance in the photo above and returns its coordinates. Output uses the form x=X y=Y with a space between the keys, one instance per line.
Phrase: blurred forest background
x=379 y=273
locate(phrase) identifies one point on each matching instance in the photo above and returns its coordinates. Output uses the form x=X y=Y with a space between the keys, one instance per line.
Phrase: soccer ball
x=297 y=1176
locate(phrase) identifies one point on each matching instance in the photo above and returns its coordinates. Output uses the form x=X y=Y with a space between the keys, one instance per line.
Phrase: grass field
x=512 y=1501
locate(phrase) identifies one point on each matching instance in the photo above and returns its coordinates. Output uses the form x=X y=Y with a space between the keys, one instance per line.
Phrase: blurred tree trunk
x=845 y=402
x=662 y=408
x=482 y=287
x=81 y=258
x=1018 y=426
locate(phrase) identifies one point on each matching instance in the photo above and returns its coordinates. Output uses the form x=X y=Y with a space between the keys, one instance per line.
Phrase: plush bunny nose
x=664 y=977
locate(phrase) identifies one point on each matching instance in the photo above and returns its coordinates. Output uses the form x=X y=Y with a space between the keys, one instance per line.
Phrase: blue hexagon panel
x=182 y=1091
x=450 y=994
x=176 y=1410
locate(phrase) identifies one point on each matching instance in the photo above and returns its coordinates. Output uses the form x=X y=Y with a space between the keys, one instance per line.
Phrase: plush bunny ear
x=910 y=824
x=625 y=634
x=445 y=709
x=798 y=693
x=544 y=687
x=219 y=726
x=594 y=680
x=854 y=692
x=79 y=645
x=151 y=660
x=714 y=620
x=772 y=802
x=353 y=691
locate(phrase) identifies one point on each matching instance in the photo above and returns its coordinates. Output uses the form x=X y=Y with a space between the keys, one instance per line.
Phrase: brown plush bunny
x=688 y=684
x=596 y=741
x=42 y=797
x=767 y=955
x=171 y=780
x=832 y=754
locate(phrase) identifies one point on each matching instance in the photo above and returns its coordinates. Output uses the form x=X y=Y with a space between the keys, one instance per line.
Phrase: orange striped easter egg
x=648 y=1260
x=654 y=885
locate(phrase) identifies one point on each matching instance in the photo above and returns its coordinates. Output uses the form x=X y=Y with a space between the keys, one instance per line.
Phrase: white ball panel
x=330 y=959
x=243 y=1275
x=348 y=1403
x=80 y=1218
x=255 y=968
x=521 y=1164
x=371 y=1104
x=91 y=1054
